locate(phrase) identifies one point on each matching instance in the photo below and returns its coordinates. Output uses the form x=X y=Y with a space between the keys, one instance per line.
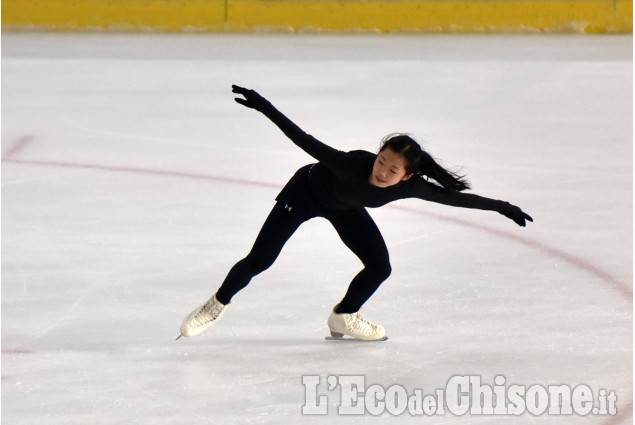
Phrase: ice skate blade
x=349 y=339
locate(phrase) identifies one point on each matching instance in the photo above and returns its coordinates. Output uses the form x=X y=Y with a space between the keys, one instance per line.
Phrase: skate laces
x=358 y=324
x=209 y=312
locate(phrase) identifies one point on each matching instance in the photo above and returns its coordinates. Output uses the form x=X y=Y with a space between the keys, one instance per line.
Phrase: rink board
x=582 y=16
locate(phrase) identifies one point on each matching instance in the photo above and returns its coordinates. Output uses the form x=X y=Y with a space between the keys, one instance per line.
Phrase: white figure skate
x=355 y=326
x=202 y=318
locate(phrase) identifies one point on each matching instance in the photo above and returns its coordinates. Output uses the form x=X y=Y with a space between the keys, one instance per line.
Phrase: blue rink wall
x=434 y=16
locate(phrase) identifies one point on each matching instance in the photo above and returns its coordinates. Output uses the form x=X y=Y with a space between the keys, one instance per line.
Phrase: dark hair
x=420 y=162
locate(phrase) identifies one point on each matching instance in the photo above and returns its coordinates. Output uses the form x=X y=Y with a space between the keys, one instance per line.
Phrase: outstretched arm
x=318 y=150
x=434 y=193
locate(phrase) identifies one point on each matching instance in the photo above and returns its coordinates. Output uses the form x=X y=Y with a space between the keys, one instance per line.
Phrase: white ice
x=132 y=182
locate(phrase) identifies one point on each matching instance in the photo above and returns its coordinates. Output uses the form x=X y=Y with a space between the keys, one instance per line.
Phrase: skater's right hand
x=252 y=98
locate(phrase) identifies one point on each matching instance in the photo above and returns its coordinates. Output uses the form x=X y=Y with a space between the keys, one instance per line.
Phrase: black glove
x=514 y=213
x=252 y=99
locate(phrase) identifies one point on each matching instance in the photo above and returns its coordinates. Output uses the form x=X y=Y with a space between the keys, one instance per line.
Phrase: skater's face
x=389 y=169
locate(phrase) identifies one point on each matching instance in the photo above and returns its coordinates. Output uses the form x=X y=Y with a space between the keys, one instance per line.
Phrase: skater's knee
x=387 y=271
x=257 y=264
x=382 y=270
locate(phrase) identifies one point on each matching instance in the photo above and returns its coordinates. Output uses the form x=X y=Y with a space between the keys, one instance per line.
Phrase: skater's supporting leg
x=282 y=222
x=361 y=235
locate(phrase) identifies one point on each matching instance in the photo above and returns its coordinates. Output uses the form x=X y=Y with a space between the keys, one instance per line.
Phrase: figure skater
x=338 y=187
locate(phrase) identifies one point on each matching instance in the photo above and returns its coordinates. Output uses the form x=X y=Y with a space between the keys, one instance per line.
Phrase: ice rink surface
x=132 y=182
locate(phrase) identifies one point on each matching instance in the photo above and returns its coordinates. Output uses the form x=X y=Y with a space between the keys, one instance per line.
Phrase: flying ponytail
x=420 y=162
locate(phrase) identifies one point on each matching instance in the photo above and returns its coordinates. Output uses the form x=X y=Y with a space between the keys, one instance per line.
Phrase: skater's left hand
x=252 y=98
x=515 y=213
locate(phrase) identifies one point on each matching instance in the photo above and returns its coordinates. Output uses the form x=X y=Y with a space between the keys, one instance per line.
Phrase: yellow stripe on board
x=159 y=15
x=583 y=16
x=436 y=16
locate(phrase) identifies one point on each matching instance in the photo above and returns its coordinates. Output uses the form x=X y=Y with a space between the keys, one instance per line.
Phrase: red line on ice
x=16 y=351
x=579 y=263
x=17 y=147
x=146 y=171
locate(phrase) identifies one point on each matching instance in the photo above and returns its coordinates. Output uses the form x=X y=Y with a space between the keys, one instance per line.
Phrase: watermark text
x=461 y=395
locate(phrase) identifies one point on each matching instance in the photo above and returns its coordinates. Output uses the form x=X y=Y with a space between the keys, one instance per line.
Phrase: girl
x=339 y=187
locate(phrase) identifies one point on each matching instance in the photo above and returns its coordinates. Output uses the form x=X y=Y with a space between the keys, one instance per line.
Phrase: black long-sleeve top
x=339 y=182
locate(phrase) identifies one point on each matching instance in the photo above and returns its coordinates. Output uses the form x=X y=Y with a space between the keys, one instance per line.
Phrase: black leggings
x=357 y=230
